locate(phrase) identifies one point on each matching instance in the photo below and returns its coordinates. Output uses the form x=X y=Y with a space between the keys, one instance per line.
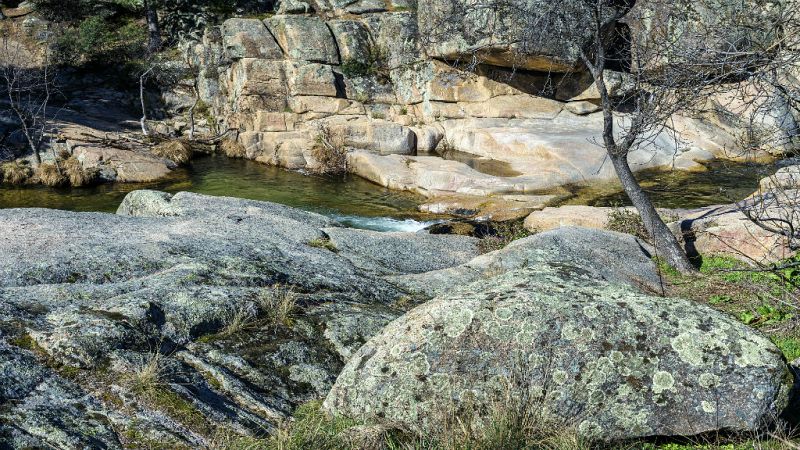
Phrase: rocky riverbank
x=182 y=320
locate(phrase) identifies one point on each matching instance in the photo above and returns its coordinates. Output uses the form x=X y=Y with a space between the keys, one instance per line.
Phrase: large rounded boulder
x=603 y=358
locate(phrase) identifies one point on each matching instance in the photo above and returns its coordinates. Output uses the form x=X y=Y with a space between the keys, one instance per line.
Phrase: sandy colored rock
x=500 y=208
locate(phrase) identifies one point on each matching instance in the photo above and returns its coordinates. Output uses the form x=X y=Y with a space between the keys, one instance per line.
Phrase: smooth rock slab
x=399 y=253
x=612 y=362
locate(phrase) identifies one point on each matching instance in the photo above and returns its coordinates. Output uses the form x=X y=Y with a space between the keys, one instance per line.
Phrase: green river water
x=359 y=203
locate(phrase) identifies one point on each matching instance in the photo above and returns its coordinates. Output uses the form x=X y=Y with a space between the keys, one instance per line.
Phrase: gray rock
x=41 y=409
x=616 y=257
x=402 y=253
x=304 y=38
x=555 y=339
x=249 y=38
x=199 y=278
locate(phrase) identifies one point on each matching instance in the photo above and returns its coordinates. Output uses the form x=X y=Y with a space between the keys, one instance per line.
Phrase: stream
x=358 y=203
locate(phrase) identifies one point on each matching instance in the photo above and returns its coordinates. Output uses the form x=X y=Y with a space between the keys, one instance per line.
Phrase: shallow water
x=724 y=182
x=354 y=201
x=360 y=204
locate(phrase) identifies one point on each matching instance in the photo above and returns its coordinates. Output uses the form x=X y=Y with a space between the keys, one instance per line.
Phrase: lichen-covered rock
x=250 y=319
x=42 y=410
x=616 y=257
x=614 y=363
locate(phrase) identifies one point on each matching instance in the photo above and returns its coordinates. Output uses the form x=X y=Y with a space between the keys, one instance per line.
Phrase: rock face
x=86 y=300
x=537 y=35
x=554 y=339
x=377 y=75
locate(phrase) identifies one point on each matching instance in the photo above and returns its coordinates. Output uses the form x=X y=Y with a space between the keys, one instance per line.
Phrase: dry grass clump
x=75 y=172
x=146 y=375
x=175 y=150
x=239 y=320
x=330 y=152
x=323 y=243
x=278 y=304
x=49 y=174
x=232 y=148
x=16 y=172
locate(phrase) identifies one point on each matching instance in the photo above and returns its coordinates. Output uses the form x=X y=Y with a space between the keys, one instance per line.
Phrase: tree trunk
x=667 y=245
x=153 y=28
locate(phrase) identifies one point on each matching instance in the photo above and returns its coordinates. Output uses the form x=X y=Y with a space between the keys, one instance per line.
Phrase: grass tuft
x=49 y=174
x=278 y=304
x=627 y=221
x=231 y=148
x=324 y=243
x=76 y=174
x=147 y=375
x=238 y=321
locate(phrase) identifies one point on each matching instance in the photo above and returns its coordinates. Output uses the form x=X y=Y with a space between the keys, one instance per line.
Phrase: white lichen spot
x=688 y=348
x=504 y=314
x=570 y=332
x=591 y=312
x=418 y=364
x=616 y=356
x=708 y=407
x=708 y=380
x=663 y=381
x=457 y=322
x=590 y=429
x=752 y=354
x=559 y=376
x=527 y=333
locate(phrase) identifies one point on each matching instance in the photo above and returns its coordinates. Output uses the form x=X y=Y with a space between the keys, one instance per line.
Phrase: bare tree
x=153 y=27
x=683 y=55
x=27 y=87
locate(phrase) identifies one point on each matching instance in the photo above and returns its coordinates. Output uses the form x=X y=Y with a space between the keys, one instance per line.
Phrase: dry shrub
x=16 y=172
x=77 y=175
x=627 y=221
x=232 y=148
x=175 y=150
x=49 y=174
x=330 y=152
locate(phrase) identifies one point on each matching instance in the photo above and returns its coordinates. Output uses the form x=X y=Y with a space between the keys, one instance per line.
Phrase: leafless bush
x=330 y=151
x=27 y=87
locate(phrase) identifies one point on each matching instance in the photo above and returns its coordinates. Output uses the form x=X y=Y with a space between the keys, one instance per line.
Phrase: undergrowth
x=503 y=234
x=765 y=298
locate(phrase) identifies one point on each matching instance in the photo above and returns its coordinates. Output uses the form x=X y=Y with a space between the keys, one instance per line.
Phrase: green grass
x=789 y=346
x=758 y=297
